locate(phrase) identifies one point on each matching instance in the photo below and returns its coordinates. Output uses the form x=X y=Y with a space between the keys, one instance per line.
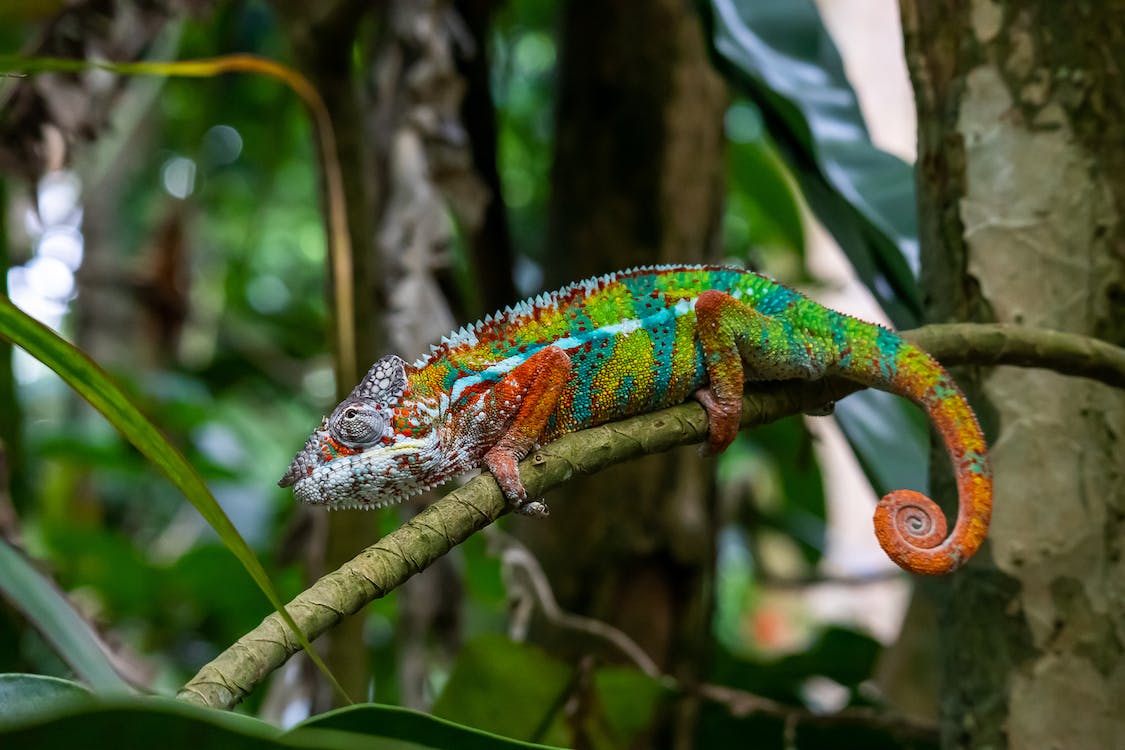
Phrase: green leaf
x=629 y=701
x=889 y=436
x=155 y=722
x=762 y=209
x=781 y=56
x=45 y=606
x=26 y=696
x=804 y=512
x=778 y=53
x=60 y=720
x=93 y=384
x=840 y=654
x=412 y=727
x=508 y=688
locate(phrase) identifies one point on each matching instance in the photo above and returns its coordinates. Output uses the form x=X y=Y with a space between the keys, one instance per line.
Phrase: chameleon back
x=630 y=337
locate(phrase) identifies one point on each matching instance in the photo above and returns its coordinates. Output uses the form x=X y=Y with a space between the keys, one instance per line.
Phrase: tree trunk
x=322 y=37
x=638 y=178
x=1021 y=175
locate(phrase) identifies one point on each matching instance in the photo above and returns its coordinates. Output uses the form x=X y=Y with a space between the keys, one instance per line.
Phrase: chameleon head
x=355 y=458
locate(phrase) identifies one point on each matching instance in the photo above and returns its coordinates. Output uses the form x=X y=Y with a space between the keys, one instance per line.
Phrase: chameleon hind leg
x=525 y=398
x=740 y=343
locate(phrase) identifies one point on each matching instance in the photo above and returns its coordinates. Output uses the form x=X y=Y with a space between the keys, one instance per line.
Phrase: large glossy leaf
x=779 y=54
x=508 y=688
x=762 y=210
x=51 y=613
x=889 y=436
x=48 y=713
x=26 y=696
x=163 y=723
x=93 y=384
x=421 y=730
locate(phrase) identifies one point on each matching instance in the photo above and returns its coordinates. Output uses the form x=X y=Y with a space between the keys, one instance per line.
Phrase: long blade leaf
x=94 y=384
x=45 y=606
x=339 y=241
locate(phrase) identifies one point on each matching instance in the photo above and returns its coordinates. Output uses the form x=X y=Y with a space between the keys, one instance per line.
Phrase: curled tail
x=910 y=527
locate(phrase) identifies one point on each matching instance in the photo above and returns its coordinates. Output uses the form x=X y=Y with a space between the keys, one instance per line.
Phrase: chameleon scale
x=622 y=344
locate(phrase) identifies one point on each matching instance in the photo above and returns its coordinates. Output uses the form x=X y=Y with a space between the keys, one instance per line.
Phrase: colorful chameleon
x=623 y=344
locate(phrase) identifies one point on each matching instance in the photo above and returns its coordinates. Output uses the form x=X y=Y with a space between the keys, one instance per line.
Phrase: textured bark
x=426 y=171
x=638 y=178
x=490 y=247
x=1022 y=193
x=43 y=118
x=322 y=36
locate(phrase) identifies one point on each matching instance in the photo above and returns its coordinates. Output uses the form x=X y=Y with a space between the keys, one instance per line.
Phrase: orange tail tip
x=911 y=528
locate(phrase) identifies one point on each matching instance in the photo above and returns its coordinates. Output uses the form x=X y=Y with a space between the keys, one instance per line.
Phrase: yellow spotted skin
x=632 y=342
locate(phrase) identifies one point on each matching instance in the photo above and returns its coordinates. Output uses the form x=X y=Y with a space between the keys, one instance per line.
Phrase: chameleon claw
x=722 y=420
x=533 y=509
x=827 y=409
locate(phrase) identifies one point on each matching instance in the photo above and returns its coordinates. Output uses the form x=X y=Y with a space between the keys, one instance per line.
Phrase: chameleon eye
x=358 y=425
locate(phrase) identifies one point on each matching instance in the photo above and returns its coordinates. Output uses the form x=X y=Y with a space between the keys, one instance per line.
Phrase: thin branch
x=773 y=581
x=389 y=562
x=741 y=703
x=524 y=578
x=534 y=586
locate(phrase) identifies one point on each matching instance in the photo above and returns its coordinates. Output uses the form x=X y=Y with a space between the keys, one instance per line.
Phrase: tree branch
x=389 y=562
x=1001 y=344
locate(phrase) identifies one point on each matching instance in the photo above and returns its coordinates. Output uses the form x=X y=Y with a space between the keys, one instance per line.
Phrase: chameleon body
x=623 y=344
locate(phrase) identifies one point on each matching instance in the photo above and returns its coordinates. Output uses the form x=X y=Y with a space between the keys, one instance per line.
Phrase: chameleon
x=622 y=344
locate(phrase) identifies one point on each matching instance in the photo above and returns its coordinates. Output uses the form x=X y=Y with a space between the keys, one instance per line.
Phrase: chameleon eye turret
x=357 y=424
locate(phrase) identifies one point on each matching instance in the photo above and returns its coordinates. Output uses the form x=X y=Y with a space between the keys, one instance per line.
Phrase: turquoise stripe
x=777 y=300
x=889 y=345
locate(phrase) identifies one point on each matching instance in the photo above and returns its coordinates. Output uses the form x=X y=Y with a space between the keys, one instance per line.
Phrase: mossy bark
x=1021 y=176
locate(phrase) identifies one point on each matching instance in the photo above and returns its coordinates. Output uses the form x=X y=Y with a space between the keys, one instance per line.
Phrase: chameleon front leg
x=525 y=400
x=740 y=343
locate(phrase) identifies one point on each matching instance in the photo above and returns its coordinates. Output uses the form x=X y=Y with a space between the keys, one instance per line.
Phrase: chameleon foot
x=532 y=509
x=722 y=420
x=827 y=409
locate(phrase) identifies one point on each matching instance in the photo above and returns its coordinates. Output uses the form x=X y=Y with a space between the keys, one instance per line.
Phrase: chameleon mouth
x=314 y=490
x=372 y=479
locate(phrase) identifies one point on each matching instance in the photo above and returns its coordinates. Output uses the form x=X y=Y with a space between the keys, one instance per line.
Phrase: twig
x=517 y=560
x=773 y=581
x=741 y=703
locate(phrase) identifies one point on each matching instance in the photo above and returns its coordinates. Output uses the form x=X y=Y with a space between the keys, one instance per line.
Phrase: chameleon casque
x=623 y=344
